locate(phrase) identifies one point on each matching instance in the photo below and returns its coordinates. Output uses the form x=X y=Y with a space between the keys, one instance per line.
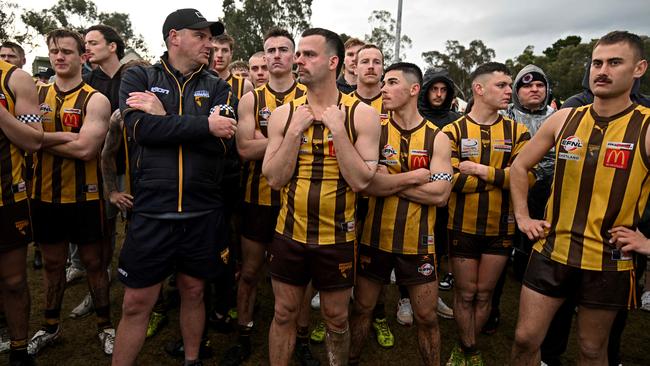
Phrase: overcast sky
x=507 y=26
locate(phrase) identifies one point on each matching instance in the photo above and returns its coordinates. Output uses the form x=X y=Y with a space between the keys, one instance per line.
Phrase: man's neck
x=350 y=78
x=321 y=96
x=611 y=106
x=368 y=91
x=111 y=66
x=180 y=64
x=65 y=84
x=483 y=114
x=408 y=117
x=224 y=74
x=281 y=83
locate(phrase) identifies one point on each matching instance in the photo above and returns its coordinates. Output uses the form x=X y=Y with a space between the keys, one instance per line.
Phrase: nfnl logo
x=571 y=143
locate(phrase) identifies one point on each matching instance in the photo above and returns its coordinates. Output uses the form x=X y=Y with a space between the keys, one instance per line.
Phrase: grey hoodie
x=533 y=120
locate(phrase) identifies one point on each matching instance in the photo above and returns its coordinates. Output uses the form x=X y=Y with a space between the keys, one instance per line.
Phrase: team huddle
x=337 y=173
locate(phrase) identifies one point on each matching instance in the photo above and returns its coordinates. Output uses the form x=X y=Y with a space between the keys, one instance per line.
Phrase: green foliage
x=8 y=30
x=248 y=20
x=79 y=15
x=382 y=35
x=460 y=61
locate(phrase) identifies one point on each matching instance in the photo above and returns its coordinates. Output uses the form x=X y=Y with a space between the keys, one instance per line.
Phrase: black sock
x=302 y=335
x=403 y=292
x=18 y=349
x=245 y=335
x=379 y=312
x=103 y=317
x=52 y=320
x=468 y=350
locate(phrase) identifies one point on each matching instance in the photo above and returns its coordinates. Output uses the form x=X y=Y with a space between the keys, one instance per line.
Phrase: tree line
x=247 y=21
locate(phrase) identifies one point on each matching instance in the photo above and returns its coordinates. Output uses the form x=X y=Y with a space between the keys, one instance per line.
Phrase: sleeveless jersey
x=12 y=162
x=394 y=224
x=377 y=103
x=236 y=85
x=58 y=179
x=601 y=181
x=318 y=205
x=476 y=206
x=266 y=100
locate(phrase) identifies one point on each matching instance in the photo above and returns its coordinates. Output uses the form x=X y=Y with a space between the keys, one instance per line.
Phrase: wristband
x=440 y=176
x=29 y=118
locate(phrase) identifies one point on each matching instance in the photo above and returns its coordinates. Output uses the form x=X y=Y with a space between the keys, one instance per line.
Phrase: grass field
x=79 y=344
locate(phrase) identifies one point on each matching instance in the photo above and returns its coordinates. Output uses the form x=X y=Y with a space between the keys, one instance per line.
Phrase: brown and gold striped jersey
x=377 y=103
x=476 y=206
x=318 y=206
x=394 y=224
x=58 y=179
x=601 y=181
x=236 y=85
x=12 y=161
x=266 y=100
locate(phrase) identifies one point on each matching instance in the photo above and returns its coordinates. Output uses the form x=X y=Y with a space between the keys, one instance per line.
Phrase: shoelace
x=383 y=329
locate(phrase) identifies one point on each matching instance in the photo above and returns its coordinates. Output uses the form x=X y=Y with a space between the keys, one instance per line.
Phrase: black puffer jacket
x=176 y=164
x=443 y=115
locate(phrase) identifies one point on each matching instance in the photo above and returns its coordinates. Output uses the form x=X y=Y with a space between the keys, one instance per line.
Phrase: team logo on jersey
x=617 y=155
x=426 y=269
x=345 y=269
x=3 y=101
x=265 y=114
x=571 y=143
x=45 y=108
x=419 y=159
x=157 y=89
x=388 y=151
x=202 y=94
x=225 y=255
x=21 y=226
x=72 y=117
x=469 y=148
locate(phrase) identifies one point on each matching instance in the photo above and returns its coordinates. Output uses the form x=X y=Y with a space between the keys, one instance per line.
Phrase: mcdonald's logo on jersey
x=3 y=101
x=617 y=155
x=72 y=117
x=419 y=159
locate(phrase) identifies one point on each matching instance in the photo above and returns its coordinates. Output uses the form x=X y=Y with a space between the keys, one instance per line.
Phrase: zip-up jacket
x=176 y=164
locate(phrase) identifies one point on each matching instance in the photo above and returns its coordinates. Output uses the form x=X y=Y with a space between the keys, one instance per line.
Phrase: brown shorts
x=258 y=222
x=410 y=269
x=608 y=290
x=329 y=267
x=77 y=223
x=15 y=226
x=473 y=246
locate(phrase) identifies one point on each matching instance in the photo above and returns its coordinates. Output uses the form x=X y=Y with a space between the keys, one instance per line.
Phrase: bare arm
x=434 y=193
x=91 y=135
x=248 y=87
x=248 y=146
x=357 y=162
x=27 y=136
x=385 y=184
x=282 y=150
x=530 y=155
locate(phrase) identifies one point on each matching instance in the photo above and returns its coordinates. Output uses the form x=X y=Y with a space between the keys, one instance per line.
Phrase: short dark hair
x=634 y=41
x=333 y=42
x=279 y=32
x=15 y=47
x=56 y=34
x=408 y=69
x=488 y=68
x=111 y=36
x=369 y=46
x=225 y=38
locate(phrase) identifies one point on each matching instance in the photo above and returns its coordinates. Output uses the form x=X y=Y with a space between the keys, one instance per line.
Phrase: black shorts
x=157 y=248
x=15 y=226
x=329 y=267
x=410 y=269
x=77 y=223
x=608 y=290
x=473 y=246
x=258 y=222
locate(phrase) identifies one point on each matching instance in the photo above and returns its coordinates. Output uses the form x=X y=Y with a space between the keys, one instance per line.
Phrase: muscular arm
x=27 y=136
x=248 y=87
x=530 y=155
x=248 y=146
x=282 y=150
x=111 y=145
x=358 y=162
x=385 y=184
x=434 y=193
x=86 y=145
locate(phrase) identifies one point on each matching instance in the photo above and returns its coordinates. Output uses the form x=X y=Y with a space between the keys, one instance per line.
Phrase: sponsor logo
x=330 y=145
x=389 y=162
x=202 y=94
x=20 y=187
x=92 y=188
x=45 y=108
x=507 y=243
x=419 y=161
x=348 y=227
x=21 y=226
x=428 y=240
x=388 y=151
x=123 y=272
x=72 y=117
x=345 y=269
x=3 y=101
x=264 y=113
x=383 y=115
x=469 y=148
x=616 y=158
x=426 y=269
x=567 y=156
x=157 y=89
x=502 y=145
x=571 y=143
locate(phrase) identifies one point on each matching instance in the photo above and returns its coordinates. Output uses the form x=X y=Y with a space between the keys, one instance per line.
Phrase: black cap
x=190 y=19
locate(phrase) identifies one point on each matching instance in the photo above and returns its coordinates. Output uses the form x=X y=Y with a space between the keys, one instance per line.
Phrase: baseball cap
x=189 y=19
